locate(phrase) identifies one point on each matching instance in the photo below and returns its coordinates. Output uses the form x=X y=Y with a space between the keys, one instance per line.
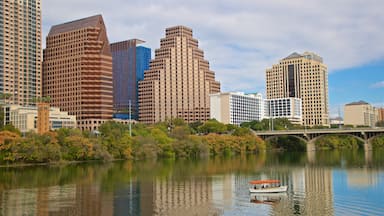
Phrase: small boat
x=267 y=186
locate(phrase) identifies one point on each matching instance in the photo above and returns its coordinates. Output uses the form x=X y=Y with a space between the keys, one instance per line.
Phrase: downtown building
x=26 y=118
x=360 y=113
x=178 y=82
x=289 y=108
x=236 y=107
x=129 y=63
x=20 y=51
x=77 y=71
x=303 y=76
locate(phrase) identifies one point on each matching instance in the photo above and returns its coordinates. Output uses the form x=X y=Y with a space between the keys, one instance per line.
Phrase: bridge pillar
x=368 y=152
x=367 y=146
x=311 y=151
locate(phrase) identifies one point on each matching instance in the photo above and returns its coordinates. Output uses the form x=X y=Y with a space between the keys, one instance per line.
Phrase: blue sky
x=241 y=38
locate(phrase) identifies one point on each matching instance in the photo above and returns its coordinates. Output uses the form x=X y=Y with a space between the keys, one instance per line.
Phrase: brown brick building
x=178 y=82
x=77 y=71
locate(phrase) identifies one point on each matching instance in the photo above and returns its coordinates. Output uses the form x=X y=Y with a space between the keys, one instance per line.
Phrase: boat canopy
x=267 y=181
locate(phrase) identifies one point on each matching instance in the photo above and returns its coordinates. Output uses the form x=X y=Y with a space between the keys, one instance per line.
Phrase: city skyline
x=242 y=40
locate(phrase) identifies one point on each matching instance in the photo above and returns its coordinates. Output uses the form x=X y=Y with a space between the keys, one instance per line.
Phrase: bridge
x=310 y=135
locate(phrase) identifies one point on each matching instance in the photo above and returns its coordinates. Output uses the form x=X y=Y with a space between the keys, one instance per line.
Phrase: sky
x=241 y=38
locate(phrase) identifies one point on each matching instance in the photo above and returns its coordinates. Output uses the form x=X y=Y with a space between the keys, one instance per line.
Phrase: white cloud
x=242 y=38
x=378 y=85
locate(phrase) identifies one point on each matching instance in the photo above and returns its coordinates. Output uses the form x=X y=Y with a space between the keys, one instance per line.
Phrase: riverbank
x=172 y=139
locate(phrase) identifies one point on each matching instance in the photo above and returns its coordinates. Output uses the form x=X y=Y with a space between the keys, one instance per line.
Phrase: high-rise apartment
x=78 y=71
x=178 y=82
x=129 y=63
x=302 y=76
x=20 y=50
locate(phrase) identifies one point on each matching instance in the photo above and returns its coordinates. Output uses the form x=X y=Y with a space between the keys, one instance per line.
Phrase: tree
x=212 y=126
x=380 y=123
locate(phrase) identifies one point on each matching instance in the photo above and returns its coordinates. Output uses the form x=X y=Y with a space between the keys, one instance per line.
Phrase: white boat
x=267 y=186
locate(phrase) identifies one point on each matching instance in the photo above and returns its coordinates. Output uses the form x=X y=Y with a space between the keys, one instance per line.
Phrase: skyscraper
x=178 y=82
x=129 y=64
x=303 y=76
x=20 y=50
x=78 y=71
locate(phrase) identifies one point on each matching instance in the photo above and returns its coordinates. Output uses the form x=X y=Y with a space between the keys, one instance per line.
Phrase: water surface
x=321 y=183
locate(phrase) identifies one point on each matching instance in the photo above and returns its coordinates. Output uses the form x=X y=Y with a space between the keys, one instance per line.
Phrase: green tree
x=212 y=126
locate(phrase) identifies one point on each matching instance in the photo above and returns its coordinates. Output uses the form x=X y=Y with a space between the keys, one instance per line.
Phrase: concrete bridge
x=310 y=135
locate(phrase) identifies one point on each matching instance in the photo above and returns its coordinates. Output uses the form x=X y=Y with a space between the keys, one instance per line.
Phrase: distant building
x=25 y=118
x=360 y=113
x=336 y=121
x=302 y=76
x=129 y=64
x=380 y=114
x=42 y=117
x=20 y=50
x=290 y=108
x=236 y=107
x=77 y=71
x=178 y=82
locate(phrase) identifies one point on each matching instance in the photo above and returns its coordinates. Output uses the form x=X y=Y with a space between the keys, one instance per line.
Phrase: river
x=321 y=183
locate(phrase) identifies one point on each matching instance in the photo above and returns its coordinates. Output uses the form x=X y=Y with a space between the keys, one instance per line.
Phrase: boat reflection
x=267 y=198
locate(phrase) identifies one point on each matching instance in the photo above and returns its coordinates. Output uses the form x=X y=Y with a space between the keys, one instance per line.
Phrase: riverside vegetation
x=169 y=139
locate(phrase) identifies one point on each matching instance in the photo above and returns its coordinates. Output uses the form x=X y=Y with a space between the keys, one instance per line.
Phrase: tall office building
x=20 y=50
x=78 y=71
x=129 y=64
x=302 y=76
x=179 y=80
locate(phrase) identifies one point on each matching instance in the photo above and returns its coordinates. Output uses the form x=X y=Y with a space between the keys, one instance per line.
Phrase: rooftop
x=91 y=21
x=361 y=102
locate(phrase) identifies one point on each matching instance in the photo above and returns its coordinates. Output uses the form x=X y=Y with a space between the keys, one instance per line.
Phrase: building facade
x=20 y=50
x=380 y=112
x=42 y=117
x=360 y=113
x=25 y=118
x=303 y=76
x=178 y=82
x=236 y=107
x=129 y=64
x=290 y=108
x=77 y=71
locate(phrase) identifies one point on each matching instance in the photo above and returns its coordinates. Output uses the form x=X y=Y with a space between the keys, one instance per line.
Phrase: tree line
x=170 y=139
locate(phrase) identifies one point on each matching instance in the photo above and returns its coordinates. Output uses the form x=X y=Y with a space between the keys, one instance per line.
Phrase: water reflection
x=324 y=185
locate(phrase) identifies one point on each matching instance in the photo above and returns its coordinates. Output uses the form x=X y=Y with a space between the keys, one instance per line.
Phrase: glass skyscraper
x=129 y=63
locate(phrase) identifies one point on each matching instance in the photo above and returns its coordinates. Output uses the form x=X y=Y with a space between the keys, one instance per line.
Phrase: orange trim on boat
x=270 y=181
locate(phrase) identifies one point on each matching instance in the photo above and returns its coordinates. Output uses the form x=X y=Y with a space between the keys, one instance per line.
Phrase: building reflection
x=312 y=193
x=360 y=178
x=191 y=196
x=57 y=200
